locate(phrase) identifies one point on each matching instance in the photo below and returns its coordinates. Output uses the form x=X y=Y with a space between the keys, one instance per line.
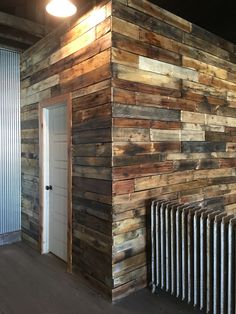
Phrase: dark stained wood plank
x=24 y=25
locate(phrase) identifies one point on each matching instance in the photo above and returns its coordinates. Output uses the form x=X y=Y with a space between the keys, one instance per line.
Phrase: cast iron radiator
x=193 y=255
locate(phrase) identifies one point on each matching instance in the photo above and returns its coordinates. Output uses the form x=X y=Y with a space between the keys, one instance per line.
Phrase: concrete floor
x=35 y=284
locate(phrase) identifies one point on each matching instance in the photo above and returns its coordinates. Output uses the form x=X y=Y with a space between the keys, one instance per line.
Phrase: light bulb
x=61 y=8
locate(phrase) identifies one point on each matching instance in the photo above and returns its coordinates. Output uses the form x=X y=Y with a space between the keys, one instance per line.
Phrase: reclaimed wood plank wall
x=174 y=126
x=154 y=116
x=74 y=59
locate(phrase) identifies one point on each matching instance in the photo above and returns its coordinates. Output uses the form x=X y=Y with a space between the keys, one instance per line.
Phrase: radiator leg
x=178 y=251
x=167 y=247
x=184 y=253
x=231 y=267
x=163 y=246
x=158 y=245
x=173 y=249
x=216 y=262
x=203 y=265
x=153 y=240
x=196 y=240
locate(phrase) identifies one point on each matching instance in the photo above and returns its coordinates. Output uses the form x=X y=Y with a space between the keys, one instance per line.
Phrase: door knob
x=48 y=187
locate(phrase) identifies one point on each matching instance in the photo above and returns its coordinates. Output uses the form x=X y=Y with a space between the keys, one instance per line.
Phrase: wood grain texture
x=153 y=116
x=24 y=25
x=74 y=60
x=173 y=124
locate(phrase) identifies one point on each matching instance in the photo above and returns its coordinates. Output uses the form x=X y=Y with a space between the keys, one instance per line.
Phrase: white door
x=57 y=133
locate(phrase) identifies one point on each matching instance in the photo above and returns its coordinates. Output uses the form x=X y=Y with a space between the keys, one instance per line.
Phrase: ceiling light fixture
x=61 y=8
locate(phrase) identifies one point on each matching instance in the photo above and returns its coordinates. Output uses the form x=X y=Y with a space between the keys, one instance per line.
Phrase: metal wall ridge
x=10 y=171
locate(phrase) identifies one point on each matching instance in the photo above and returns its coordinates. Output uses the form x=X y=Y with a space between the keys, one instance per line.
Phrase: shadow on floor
x=34 y=284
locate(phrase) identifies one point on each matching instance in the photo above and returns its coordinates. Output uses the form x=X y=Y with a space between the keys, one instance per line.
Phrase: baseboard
x=11 y=237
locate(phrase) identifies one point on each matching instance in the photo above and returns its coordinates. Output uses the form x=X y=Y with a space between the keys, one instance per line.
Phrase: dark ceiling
x=33 y=10
x=217 y=16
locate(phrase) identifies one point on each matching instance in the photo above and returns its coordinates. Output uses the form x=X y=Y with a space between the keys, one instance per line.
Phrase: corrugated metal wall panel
x=9 y=142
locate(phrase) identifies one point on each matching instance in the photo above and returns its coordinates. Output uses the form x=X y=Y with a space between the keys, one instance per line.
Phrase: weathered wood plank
x=95 y=149
x=122 y=187
x=80 y=117
x=95 y=239
x=145 y=88
x=212 y=38
x=160 y=14
x=43 y=69
x=141 y=159
x=128 y=172
x=85 y=66
x=204 y=68
x=130 y=134
x=77 y=61
x=201 y=44
x=94 y=99
x=93 y=207
x=127 y=225
x=163 y=68
x=145 y=20
x=145 y=112
x=23 y=25
x=94 y=19
x=134 y=149
x=140 y=76
x=129 y=44
x=128 y=265
x=125 y=28
x=131 y=248
x=92 y=185
x=154 y=116
x=102 y=173
x=201 y=147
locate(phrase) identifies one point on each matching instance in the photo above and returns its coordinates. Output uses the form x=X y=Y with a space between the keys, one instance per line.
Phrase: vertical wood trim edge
x=46 y=104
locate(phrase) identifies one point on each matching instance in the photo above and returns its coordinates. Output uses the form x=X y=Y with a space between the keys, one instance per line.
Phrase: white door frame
x=44 y=174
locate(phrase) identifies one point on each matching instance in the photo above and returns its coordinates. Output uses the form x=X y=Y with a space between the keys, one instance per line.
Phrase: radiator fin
x=193 y=255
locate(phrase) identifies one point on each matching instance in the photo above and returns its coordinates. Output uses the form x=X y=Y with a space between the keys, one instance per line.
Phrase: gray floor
x=35 y=284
